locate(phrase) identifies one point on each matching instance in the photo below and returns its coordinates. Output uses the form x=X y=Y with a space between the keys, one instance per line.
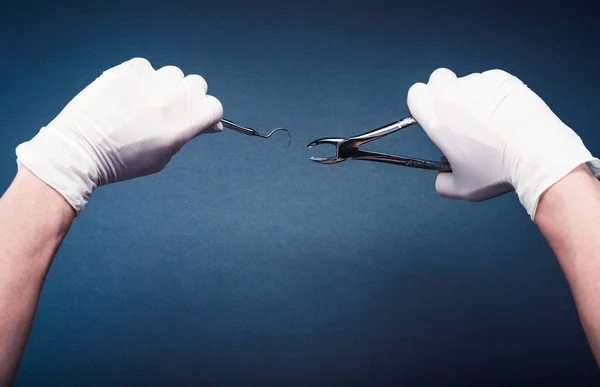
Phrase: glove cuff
x=550 y=165
x=61 y=164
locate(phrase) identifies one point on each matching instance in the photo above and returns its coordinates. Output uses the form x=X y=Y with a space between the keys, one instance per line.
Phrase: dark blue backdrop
x=243 y=263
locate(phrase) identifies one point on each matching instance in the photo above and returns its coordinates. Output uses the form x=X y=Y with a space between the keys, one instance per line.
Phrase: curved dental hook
x=251 y=132
x=276 y=130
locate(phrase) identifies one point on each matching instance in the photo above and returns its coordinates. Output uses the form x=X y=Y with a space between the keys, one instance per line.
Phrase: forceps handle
x=401 y=160
x=376 y=134
x=352 y=150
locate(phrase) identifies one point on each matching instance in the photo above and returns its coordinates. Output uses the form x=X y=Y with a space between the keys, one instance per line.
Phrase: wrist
x=572 y=197
x=61 y=164
x=540 y=165
x=39 y=211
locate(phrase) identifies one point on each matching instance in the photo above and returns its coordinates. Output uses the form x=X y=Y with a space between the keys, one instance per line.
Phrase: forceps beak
x=327 y=160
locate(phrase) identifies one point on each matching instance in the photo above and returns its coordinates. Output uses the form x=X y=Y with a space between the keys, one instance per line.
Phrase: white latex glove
x=497 y=135
x=128 y=123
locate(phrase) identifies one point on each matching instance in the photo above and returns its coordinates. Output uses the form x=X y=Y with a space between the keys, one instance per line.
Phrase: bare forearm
x=33 y=222
x=569 y=217
x=128 y=123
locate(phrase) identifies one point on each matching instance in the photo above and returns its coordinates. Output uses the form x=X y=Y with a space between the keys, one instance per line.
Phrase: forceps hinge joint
x=349 y=149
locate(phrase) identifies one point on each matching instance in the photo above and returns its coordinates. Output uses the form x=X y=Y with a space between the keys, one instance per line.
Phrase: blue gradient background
x=245 y=264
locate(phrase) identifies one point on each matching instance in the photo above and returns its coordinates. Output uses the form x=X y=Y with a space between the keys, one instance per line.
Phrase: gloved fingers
x=214 y=106
x=441 y=77
x=420 y=104
x=135 y=67
x=141 y=66
x=508 y=85
x=469 y=77
x=196 y=83
x=215 y=128
x=495 y=84
x=206 y=113
x=495 y=77
x=504 y=84
x=421 y=100
x=417 y=101
x=170 y=73
x=445 y=185
x=197 y=89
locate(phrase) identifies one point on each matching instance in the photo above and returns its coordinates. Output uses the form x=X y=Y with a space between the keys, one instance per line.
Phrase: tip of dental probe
x=277 y=130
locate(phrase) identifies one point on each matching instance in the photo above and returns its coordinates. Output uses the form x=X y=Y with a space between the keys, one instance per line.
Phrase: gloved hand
x=497 y=135
x=128 y=123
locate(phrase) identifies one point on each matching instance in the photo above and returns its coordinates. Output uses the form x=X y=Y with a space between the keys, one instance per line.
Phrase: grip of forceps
x=441 y=166
x=349 y=149
x=352 y=151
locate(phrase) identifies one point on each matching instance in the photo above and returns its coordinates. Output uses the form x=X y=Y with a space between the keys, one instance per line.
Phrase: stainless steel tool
x=251 y=132
x=348 y=148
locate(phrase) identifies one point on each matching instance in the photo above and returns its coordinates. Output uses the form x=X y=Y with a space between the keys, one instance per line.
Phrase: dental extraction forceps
x=347 y=148
x=251 y=132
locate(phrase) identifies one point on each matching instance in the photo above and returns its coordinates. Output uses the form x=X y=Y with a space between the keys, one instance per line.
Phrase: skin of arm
x=568 y=216
x=127 y=123
x=34 y=220
x=499 y=135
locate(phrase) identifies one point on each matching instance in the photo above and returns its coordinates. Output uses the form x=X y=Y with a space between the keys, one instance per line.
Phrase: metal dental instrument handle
x=348 y=149
x=251 y=132
x=357 y=154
